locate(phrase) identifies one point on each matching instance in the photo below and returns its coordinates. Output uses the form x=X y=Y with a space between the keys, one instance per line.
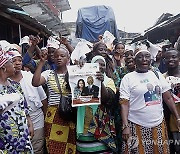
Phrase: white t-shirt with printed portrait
x=145 y=107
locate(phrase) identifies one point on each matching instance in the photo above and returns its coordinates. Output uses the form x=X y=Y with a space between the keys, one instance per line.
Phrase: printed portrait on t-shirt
x=157 y=95
x=153 y=94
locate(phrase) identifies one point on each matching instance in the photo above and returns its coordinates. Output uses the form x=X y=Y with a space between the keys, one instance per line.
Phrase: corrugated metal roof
x=48 y=12
x=30 y=21
x=62 y=5
x=11 y=8
x=10 y=4
x=167 y=23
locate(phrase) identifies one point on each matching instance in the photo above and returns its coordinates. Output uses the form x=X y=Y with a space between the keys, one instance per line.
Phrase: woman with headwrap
x=144 y=129
x=15 y=123
x=100 y=48
x=95 y=123
x=36 y=100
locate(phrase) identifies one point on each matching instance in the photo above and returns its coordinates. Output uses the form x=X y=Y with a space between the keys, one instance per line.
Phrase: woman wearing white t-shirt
x=144 y=128
x=35 y=97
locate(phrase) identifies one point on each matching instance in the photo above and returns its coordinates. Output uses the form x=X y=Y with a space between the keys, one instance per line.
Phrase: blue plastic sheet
x=94 y=21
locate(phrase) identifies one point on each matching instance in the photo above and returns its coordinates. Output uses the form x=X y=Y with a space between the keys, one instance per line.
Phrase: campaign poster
x=175 y=87
x=85 y=88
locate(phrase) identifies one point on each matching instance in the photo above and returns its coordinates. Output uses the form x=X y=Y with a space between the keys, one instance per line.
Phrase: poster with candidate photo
x=175 y=87
x=85 y=88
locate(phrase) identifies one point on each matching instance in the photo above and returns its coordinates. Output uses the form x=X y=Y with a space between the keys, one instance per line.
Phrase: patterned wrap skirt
x=147 y=140
x=60 y=134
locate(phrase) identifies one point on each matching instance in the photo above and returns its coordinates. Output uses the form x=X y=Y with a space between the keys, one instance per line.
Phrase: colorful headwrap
x=13 y=53
x=7 y=52
x=3 y=58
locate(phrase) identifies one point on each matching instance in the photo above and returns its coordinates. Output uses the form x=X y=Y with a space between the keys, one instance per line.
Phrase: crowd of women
x=140 y=100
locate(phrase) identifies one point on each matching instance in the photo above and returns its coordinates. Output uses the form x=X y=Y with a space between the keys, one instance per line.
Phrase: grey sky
x=131 y=15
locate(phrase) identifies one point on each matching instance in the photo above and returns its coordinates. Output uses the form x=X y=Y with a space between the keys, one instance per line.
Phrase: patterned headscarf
x=7 y=52
x=3 y=58
x=13 y=53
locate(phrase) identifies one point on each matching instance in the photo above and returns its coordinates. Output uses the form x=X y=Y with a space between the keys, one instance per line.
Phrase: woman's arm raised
x=37 y=79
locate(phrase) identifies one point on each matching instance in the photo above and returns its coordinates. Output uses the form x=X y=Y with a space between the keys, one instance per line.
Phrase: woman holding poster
x=93 y=121
x=100 y=49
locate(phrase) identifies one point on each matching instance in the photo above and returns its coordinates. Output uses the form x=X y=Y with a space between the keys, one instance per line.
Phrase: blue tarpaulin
x=94 y=21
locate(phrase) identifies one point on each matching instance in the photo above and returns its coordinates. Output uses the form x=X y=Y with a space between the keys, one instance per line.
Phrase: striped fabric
x=54 y=95
x=3 y=59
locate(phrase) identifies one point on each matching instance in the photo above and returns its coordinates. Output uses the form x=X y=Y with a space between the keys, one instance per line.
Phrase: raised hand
x=43 y=56
x=35 y=40
x=100 y=76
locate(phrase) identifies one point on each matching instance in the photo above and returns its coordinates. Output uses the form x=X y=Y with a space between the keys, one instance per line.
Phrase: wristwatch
x=125 y=126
